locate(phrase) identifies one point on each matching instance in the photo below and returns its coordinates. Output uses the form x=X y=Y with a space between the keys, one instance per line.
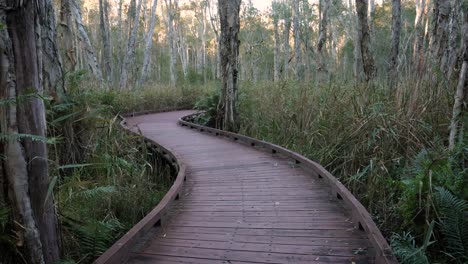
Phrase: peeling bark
x=148 y=45
x=79 y=53
x=129 y=56
x=364 y=40
x=276 y=55
x=106 y=52
x=322 y=36
x=440 y=31
x=460 y=105
x=396 y=29
x=26 y=166
x=171 y=38
x=230 y=27
x=52 y=69
x=297 y=41
x=287 y=28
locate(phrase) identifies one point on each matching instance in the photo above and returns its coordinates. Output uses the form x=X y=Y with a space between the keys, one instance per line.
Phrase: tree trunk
x=297 y=41
x=276 y=55
x=171 y=38
x=106 y=52
x=322 y=36
x=371 y=16
x=216 y=31
x=120 y=36
x=357 y=66
x=81 y=50
x=26 y=168
x=364 y=40
x=229 y=45
x=52 y=69
x=131 y=49
x=204 y=6
x=182 y=49
x=149 y=44
x=396 y=29
x=460 y=105
x=452 y=53
x=287 y=28
x=440 y=32
x=418 y=56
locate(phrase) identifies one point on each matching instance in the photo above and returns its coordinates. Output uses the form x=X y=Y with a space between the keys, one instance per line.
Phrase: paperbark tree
x=276 y=51
x=120 y=35
x=297 y=40
x=52 y=69
x=396 y=29
x=106 y=52
x=322 y=35
x=364 y=40
x=230 y=26
x=149 y=44
x=170 y=9
x=181 y=46
x=77 y=48
x=25 y=170
x=452 y=53
x=287 y=28
x=215 y=29
x=129 y=56
x=421 y=15
x=371 y=16
x=440 y=32
x=460 y=105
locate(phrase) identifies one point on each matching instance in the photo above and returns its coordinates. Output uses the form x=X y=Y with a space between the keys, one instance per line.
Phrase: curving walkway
x=241 y=205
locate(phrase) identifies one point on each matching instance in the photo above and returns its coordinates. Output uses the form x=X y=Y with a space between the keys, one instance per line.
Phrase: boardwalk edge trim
x=120 y=250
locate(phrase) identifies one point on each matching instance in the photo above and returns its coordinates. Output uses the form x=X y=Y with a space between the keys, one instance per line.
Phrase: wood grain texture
x=241 y=204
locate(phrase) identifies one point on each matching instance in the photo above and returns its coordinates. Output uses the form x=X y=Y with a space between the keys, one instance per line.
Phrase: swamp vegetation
x=375 y=91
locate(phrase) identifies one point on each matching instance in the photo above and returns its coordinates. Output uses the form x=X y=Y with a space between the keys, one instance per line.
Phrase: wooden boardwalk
x=242 y=205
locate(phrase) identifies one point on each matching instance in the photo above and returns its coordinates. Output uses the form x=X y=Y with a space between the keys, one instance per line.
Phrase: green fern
x=94 y=237
x=405 y=249
x=19 y=136
x=453 y=222
x=97 y=191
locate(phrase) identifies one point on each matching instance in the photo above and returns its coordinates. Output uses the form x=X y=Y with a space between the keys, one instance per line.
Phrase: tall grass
x=387 y=145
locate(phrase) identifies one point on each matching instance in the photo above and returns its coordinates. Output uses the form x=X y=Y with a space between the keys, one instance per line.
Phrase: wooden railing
x=360 y=217
x=120 y=251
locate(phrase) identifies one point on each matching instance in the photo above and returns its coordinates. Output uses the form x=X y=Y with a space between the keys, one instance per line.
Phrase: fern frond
x=97 y=191
x=453 y=222
x=405 y=249
x=20 y=136
x=94 y=237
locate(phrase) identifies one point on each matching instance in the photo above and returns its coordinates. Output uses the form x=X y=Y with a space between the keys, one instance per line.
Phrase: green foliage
x=93 y=237
x=19 y=136
x=405 y=249
x=453 y=222
x=107 y=180
x=208 y=107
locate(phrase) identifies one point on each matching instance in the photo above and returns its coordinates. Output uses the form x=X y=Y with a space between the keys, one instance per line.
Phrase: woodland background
x=374 y=91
